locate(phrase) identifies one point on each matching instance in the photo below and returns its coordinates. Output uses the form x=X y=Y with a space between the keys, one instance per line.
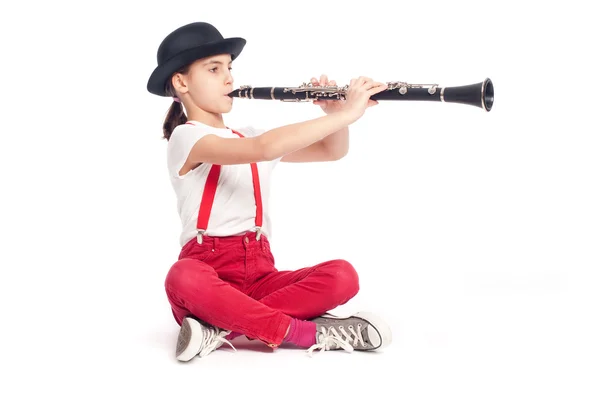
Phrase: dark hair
x=175 y=115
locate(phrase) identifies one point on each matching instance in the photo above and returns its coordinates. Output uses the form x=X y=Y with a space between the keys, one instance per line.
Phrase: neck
x=210 y=119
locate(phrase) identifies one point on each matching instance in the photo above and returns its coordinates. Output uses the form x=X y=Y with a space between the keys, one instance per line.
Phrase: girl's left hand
x=328 y=106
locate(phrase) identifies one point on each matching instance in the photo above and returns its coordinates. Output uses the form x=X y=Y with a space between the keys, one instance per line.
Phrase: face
x=207 y=84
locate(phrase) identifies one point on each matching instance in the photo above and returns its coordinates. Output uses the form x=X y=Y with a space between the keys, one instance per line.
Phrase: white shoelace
x=213 y=339
x=331 y=339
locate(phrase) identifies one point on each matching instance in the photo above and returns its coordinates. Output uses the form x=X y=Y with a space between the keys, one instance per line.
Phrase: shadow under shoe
x=197 y=338
x=362 y=331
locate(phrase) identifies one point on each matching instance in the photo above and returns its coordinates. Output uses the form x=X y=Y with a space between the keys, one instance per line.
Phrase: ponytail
x=175 y=116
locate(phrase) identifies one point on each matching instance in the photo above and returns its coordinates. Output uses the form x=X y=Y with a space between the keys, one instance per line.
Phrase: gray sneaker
x=361 y=331
x=197 y=338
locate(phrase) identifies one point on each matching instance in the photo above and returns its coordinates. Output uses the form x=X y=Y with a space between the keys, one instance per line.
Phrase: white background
x=475 y=235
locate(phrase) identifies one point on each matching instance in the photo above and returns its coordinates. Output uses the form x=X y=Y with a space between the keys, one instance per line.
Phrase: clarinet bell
x=478 y=94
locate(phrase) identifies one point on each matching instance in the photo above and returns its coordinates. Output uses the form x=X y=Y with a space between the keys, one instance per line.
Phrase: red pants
x=231 y=282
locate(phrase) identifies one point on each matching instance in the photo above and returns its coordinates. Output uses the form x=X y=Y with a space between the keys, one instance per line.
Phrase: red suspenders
x=208 y=197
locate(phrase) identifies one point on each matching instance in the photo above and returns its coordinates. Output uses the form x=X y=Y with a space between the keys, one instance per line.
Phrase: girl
x=224 y=283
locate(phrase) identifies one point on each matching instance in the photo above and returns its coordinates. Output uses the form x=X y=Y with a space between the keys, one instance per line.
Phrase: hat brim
x=158 y=79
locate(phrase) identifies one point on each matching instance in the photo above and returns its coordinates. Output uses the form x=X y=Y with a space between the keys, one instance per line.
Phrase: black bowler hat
x=185 y=45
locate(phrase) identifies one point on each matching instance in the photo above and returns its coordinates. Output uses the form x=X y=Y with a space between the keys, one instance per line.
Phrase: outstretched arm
x=330 y=148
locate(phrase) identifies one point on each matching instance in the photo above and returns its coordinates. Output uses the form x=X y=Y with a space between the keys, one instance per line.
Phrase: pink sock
x=302 y=333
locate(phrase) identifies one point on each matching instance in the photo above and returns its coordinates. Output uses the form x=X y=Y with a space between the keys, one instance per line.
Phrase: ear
x=179 y=83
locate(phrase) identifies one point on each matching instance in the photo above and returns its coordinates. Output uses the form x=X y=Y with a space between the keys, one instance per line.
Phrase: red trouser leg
x=193 y=287
x=308 y=292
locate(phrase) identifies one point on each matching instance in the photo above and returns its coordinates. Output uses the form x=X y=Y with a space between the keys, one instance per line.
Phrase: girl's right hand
x=358 y=96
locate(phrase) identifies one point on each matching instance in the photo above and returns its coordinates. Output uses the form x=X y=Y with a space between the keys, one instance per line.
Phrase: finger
x=358 y=82
x=371 y=83
x=332 y=83
x=379 y=87
x=369 y=86
x=323 y=79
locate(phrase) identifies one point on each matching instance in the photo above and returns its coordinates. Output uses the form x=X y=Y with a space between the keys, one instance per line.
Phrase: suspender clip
x=199 y=235
x=258 y=230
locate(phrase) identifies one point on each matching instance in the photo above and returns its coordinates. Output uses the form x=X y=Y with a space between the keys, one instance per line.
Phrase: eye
x=215 y=68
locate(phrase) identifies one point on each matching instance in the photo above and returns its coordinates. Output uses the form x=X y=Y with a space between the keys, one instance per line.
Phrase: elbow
x=338 y=154
x=267 y=151
x=335 y=152
x=341 y=154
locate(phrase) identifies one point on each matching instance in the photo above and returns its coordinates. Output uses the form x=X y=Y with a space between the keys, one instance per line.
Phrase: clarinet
x=478 y=94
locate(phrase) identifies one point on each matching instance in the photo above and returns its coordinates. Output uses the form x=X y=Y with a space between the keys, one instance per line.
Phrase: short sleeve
x=251 y=131
x=182 y=139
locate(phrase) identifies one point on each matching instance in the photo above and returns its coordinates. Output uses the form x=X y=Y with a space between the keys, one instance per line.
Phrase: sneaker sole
x=189 y=340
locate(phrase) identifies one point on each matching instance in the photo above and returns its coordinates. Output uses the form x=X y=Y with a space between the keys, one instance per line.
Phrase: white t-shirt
x=234 y=206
